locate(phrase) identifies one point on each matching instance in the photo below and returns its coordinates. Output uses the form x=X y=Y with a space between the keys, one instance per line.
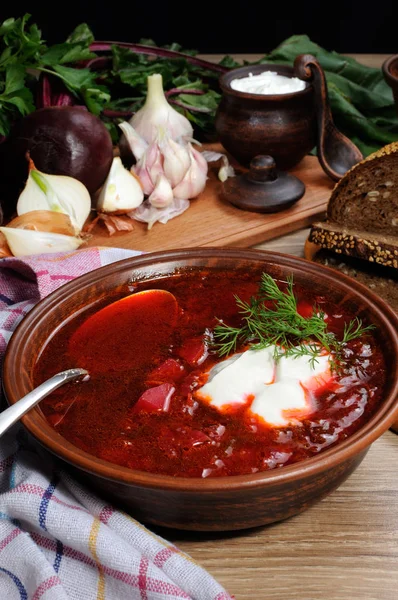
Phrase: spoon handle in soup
x=336 y=152
x=12 y=414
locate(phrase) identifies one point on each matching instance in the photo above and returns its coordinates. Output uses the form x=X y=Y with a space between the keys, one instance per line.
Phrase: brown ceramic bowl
x=225 y=503
x=390 y=72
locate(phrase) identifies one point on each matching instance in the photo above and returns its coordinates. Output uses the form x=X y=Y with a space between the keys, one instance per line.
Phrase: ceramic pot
x=284 y=126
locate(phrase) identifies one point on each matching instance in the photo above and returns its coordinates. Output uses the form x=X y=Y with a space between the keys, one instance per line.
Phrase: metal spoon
x=12 y=414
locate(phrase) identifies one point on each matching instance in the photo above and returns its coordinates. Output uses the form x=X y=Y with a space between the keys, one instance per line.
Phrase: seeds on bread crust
x=360 y=245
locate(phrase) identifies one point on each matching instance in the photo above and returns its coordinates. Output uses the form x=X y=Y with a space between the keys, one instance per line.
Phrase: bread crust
x=384 y=151
x=382 y=250
x=367 y=196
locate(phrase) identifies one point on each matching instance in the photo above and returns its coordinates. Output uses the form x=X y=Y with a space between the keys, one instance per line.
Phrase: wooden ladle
x=336 y=152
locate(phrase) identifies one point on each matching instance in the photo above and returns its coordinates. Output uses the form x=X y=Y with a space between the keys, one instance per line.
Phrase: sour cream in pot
x=267 y=83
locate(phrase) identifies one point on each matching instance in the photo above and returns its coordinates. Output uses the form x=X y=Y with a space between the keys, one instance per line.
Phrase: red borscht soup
x=160 y=399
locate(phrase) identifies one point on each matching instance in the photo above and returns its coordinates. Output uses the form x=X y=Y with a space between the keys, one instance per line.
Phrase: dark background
x=345 y=26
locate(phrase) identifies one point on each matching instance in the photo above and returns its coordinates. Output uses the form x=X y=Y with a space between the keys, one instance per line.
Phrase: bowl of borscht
x=227 y=388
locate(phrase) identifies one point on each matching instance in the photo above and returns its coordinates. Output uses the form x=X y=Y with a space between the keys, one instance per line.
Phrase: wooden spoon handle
x=336 y=153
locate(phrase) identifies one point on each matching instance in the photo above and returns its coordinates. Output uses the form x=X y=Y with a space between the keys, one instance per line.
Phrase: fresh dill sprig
x=271 y=318
x=354 y=329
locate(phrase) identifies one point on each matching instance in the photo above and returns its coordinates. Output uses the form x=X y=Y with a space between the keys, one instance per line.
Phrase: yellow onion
x=5 y=251
x=23 y=242
x=44 y=220
x=57 y=193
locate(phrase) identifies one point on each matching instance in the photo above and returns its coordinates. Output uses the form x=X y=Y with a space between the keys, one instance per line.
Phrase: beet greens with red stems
x=109 y=78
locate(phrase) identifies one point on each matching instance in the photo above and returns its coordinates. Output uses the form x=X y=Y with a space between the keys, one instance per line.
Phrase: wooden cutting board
x=212 y=221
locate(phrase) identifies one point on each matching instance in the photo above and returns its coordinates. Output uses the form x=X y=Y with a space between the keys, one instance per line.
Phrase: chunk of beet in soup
x=155 y=399
x=171 y=370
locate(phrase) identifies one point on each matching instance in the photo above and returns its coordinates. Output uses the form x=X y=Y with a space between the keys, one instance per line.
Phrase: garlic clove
x=176 y=160
x=121 y=191
x=149 y=167
x=194 y=180
x=137 y=144
x=23 y=242
x=162 y=194
x=226 y=170
x=142 y=172
x=154 y=162
x=58 y=193
x=157 y=112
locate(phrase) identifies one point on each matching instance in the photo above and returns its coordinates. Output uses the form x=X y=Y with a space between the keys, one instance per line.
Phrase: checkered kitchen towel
x=59 y=541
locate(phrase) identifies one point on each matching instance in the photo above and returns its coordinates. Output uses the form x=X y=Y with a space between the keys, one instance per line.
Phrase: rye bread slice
x=376 y=248
x=366 y=198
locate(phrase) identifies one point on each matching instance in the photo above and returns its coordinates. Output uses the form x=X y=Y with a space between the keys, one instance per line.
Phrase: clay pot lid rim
x=285 y=70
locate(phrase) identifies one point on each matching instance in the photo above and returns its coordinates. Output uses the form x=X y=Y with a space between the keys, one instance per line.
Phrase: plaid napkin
x=59 y=541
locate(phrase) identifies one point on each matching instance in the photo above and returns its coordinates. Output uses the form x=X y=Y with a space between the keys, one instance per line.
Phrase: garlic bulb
x=194 y=180
x=57 y=193
x=170 y=170
x=27 y=241
x=121 y=191
x=157 y=112
x=137 y=144
x=162 y=194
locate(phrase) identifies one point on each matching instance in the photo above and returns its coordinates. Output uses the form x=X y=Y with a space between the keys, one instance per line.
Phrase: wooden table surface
x=343 y=548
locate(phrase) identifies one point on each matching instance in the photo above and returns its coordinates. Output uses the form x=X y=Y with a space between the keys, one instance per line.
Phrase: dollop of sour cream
x=276 y=392
x=267 y=83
